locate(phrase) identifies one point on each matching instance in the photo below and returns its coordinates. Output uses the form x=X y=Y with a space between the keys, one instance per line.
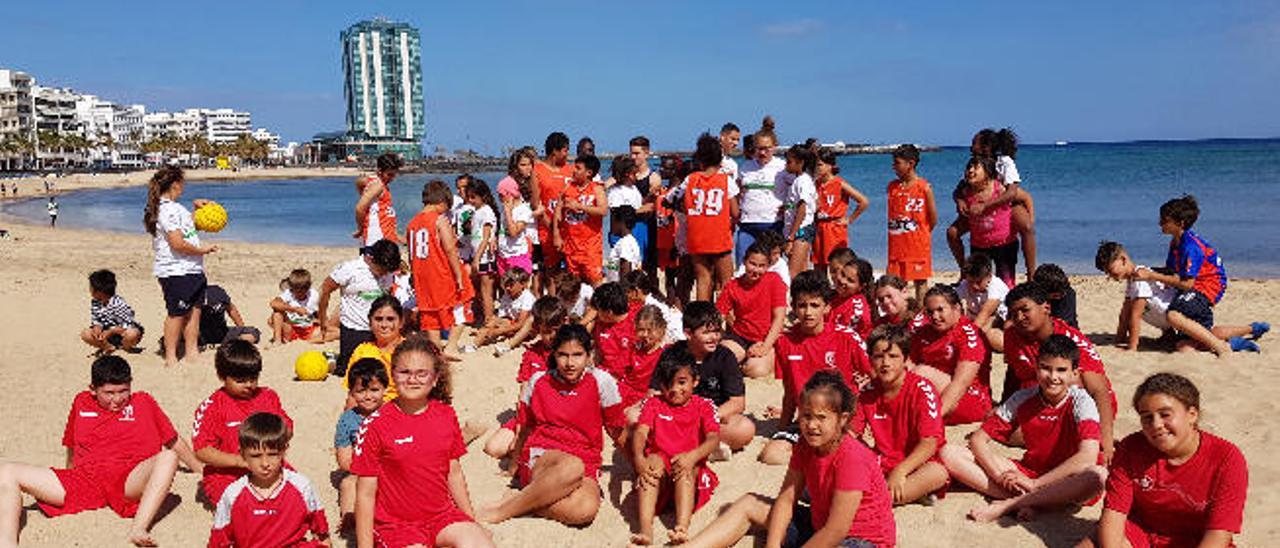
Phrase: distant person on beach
x=1150 y=302
x=179 y=261
x=710 y=204
x=52 y=206
x=577 y=230
x=729 y=136
x=800 y=207
x=293 y=311
x=833 y=216
x=1003 y=147
x=121 y=453
x=670 y=241
x=214 y=311
x=1171 y=483
x=361 y=281
x=1062 y=297
x=991 y=231
x=519 y=233
x=484 y=245
x=375 y=212
x=443 y=289
x=912 y=218
x=550 y=176
x=762 y=191
x=111 y=321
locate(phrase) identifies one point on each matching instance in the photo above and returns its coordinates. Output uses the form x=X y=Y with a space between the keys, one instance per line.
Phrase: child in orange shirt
x=577 y=228
x=912 y=216
x=710 y=208
x=833 y=217
x=442 y=288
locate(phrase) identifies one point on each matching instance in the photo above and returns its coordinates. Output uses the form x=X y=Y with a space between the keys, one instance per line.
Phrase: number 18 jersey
x=706 y=205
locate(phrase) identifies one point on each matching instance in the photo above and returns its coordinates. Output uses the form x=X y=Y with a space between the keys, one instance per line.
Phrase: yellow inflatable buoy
x=311 y=365
x=211 y=217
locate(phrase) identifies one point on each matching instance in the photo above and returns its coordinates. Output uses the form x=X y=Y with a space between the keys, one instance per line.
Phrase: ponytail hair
x=161 y=182
x=767 y=127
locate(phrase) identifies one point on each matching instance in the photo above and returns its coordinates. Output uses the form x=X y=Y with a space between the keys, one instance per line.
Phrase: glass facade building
x=382 y=69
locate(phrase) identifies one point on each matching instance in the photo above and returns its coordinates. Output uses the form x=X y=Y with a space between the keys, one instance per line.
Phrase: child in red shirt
x=1060 y=428
x=952 y=353
x=912 y=217
x=849 y=502
x=613 y=329
x=852 y=278
x=214 y=431
x=902 y=411
x=121 y=453
x=548 y=315
x=563 y=414
x=676 y=433
x=269 y=506
x=755 y=307
x=646 y=348
x=1172 y=484
x=578 y=223
x=811 y=345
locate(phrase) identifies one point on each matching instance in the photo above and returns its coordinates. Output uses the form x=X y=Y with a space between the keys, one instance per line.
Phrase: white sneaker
x=468 y=349
x=500 y=349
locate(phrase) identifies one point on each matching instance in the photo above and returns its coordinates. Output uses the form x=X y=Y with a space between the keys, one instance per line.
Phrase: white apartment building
x=16 y=116
x=177 y=124
x=223 y=125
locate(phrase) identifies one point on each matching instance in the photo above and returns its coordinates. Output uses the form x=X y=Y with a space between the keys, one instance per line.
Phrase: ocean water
x=1083 y=193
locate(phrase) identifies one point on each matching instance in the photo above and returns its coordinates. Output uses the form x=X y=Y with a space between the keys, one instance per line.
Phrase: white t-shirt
x=168 y=263
x=312 y=304
x=511 y=308
x=800 y=189
x=1158 y=295
x=729 y=166
x=1007 y=170
x=515 y=246
x=624 y=194
x=627 y=249
x=779 y=267
x=483 y=216
x=402 y=288
x=675 y=320
x=762 y=190
x=973 y=301
x=359 y=289
x=584 y=300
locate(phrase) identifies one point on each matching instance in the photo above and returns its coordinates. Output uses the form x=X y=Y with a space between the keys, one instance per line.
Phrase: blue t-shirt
x=348 y=426
x=1191 y=257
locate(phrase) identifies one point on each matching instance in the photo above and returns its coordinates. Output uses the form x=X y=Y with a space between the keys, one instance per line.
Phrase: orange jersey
x=380 y=223
x=706 y=205
x=832 y=206
x=433 y=281
x=551 y=182
x=582 y=233
x=909 y=230
x=666 y=220
x=832 y=203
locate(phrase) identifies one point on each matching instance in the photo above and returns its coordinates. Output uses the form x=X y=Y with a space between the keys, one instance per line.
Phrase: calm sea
x=1084 y=193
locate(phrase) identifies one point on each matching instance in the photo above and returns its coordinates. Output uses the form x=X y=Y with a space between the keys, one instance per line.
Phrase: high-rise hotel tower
x=382 y=66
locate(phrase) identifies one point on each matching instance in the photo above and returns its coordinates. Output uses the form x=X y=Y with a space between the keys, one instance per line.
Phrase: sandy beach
x=44 y=299
x=34 y=186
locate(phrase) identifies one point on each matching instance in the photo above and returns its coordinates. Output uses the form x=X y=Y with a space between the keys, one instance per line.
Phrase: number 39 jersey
x=908 y=221
x=706 y=205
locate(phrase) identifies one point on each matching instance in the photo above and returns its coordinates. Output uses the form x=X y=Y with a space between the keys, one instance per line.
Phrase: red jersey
x=551 y=182
x=851 y=467
x=433 y=281
x=678 y=429
x=852 y=312
x=581 y=231
x=108 y=441
x=665 y=219
x=410 y=455
x=615 y=344
x=1175 y=505
x=570 y=417
x=533 y=360
x=944 y=351
x=1022 y=355
x=706 y=206
x=752 y=307
x=898 y=425
x=634 y=383
x=217 y=425
x=909 y=231
x=798 y=356
x=380 y=222
x=1052 y=433
x=282 y=519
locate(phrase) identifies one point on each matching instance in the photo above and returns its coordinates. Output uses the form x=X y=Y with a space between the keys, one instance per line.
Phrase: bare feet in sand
x=679 y=535
x=640 y=539
x=141 y=538
x=988 y=513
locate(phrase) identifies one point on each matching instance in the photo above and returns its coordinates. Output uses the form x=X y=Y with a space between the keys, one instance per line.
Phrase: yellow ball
x=210 y=218
x=311 y=366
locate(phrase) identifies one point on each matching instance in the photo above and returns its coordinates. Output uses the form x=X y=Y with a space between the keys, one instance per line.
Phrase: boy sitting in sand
x=1149 y=301
x=293 y=311
x=111 y=321
x=121 y=453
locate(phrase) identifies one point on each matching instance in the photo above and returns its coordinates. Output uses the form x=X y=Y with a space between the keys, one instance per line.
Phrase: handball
x=311 y=365
x=210 y=218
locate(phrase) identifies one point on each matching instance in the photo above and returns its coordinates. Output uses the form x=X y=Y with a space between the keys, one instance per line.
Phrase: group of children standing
x=871 y=371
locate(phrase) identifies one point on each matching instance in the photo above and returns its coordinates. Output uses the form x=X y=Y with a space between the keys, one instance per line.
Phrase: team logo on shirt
x=404 y=440
x=666 y=417
x=1146 y=483
x=265 y=511
x=195 y=424
x=830 y=359
x=126 y=414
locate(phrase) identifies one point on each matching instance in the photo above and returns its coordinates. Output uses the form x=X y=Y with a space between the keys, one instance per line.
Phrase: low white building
x=223 y=125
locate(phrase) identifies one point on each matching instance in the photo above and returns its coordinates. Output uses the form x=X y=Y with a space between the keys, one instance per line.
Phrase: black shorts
x=739 y=340
x=348 y=340
x=536 y=255
x=182 y=293
x=1005 y=258
x=1194 y=305
x=488 y=268
x=118 y=340
x=232 y=333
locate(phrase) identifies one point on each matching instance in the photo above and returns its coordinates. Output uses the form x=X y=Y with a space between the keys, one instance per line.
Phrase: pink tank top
x=992 y=228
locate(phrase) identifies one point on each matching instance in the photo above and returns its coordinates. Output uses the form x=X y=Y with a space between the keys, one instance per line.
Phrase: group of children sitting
x=870 y=375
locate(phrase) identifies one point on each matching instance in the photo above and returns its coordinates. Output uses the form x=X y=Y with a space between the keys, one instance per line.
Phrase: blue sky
x=499 y=74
